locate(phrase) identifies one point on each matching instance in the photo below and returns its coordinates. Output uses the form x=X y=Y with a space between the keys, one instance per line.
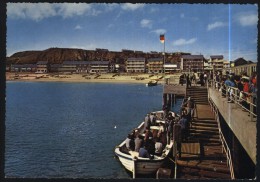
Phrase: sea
x=70 y=130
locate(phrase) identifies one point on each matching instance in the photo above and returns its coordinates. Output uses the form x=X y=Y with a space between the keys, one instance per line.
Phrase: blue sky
x=209 y=29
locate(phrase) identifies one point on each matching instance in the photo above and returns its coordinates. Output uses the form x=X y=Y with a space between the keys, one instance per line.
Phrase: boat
x=143 y=166
x=152 y=83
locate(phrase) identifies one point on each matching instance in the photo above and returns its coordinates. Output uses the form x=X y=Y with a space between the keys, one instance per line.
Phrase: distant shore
x=103 y=78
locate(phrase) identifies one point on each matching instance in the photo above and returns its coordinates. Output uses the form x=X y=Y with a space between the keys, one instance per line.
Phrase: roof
x=99 y=62
x=42 y=62
x=155 y=59
x=76 y=62
x=217 y=57
x=192 y=56
x=136 y=59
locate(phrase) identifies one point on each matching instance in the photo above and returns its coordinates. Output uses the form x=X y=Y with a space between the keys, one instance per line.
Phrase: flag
x=162 y=38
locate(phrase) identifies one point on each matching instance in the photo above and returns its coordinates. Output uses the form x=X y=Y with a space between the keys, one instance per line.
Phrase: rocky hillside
x=59 y=55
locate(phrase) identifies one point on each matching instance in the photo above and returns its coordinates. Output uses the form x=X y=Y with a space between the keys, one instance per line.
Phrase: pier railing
x=223 y=141
x=247 y=101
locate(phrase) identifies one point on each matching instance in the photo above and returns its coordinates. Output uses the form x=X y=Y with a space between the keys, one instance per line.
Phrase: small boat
x=143 y=166
x=152 y=83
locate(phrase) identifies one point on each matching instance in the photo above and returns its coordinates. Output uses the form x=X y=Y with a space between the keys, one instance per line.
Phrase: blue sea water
x=70 y=130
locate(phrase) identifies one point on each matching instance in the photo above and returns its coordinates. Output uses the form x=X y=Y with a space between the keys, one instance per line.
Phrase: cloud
x=217 y=24
x=39 y=11
x=181 y=42
x=146 y=23
x=159 y=31
x=132 y=7
x=78 y=27
x=247 y=19
x=32 y=11
x=71 y=9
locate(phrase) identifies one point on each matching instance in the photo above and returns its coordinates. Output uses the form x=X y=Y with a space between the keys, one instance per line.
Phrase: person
x=184 y=125
x=188 y=81
x=150 y=144
x=144 y=153
x=147 y=121
x=129 y=142
x=162 y=133
x=229 y=84
x=205 y=76
x=138 y=142
x=153 y=119
x=201 y=79
x=158 y=146
x=190 y=106
x=148 y=134
x=170 y=123
x=245 y=82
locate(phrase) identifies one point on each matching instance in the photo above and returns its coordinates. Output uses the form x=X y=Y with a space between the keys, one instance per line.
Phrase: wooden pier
x=211 y=161
x=202 y=155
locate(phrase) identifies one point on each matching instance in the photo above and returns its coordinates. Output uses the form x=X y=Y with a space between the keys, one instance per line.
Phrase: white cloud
x=214 y=25
x=247 y=19
x=71 y=9
x=181 y=42
x=39 y=11
x=32 y=11
x=146 y=23
x=159 y=31
x=132 y=7
x=78 y=27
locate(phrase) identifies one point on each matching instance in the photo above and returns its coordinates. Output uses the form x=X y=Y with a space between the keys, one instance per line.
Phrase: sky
x=207 y=29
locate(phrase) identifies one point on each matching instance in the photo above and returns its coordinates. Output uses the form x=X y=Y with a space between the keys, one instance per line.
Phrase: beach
x=68 y=77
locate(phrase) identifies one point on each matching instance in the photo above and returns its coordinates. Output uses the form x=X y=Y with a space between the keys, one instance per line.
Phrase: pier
x=222 y=136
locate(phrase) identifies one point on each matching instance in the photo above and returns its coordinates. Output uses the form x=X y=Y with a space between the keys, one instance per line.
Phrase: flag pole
x=164 y=56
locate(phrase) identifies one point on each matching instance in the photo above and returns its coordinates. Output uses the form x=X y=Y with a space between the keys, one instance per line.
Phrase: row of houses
x=187 y=63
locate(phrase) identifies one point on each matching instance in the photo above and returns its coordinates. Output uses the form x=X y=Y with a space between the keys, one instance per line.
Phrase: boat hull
x=139 y=165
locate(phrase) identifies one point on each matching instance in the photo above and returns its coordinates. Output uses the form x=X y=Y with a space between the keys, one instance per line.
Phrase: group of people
x=246 y=86
x=153 y=141
x=195 y=78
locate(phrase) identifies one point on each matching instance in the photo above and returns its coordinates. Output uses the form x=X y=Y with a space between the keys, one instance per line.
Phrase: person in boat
x=148 y=133
x=153 y=119
x=143 y=152
x=158 y=147
x=150 y=145
x=138 y=142
x=129 y=142
x=147 y=121
x=162 y=133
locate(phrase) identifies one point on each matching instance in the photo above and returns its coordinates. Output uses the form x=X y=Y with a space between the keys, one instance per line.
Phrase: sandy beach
x=103 y=78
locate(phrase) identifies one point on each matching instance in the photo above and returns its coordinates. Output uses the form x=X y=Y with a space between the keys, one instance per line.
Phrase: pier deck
x=212 y=161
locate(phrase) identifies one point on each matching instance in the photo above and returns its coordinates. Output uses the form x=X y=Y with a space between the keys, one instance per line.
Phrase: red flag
x=162 y=38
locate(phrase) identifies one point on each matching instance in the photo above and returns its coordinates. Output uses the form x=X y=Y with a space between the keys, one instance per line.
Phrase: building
x=191 y=63
x=171 y=68
x=23 y=67
x=42 y=67
x=155 y=65
x=245 y=68
x=74 y=66
x=100 y=67
x=216 y=61
x=135 y=65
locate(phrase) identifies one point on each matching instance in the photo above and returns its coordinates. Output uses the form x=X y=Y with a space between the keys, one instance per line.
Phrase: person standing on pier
x=201 y=79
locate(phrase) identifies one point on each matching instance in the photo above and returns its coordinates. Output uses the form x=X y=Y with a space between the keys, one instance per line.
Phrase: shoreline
x=141 y=78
